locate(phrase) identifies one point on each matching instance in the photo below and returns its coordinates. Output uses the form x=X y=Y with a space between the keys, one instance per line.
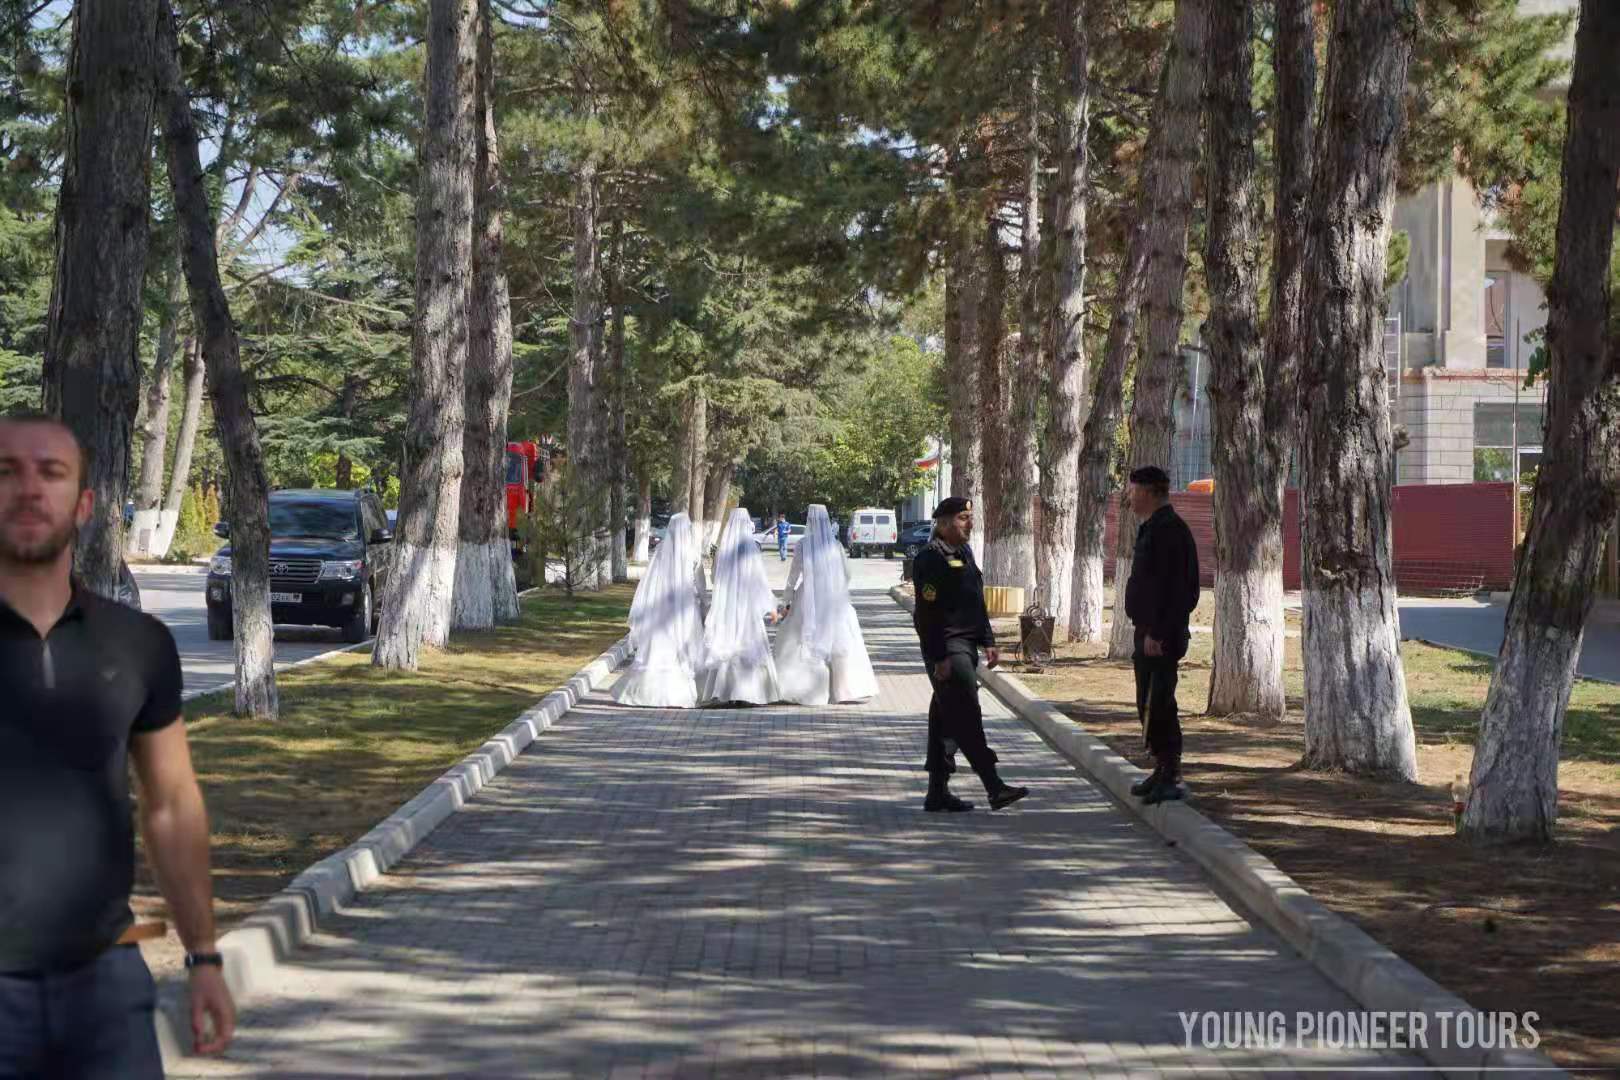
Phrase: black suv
x=329 y=562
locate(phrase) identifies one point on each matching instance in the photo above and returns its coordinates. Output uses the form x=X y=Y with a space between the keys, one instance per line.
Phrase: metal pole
x=1513 y=469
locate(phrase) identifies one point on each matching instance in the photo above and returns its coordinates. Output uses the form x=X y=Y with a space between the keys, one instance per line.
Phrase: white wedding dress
x=821 y=654
x=738 y=667
x=666 y=626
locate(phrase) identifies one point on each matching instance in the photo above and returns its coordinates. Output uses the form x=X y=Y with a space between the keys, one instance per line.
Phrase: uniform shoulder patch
x=930 y=593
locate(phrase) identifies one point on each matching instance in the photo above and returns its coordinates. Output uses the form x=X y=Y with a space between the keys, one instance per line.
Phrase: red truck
x=527 y=467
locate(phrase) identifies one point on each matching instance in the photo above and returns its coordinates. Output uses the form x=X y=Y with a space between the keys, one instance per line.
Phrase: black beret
x=952 y=506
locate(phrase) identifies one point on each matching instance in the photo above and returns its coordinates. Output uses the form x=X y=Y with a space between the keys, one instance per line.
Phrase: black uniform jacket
x=1163 y=586
x=950 y=600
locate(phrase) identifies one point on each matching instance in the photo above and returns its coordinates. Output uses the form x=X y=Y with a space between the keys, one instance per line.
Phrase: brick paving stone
x=757 y=892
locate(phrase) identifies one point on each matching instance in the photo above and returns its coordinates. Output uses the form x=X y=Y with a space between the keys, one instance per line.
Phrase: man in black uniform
x=953 y=624
x=1159 y=599
x=90 y=685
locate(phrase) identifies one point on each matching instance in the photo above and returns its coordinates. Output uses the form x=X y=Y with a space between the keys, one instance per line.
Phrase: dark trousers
x=1156 y=678
x=90 y=1023
x=955 y=720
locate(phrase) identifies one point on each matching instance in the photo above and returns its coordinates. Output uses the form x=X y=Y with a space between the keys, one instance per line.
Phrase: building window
x=1497 y=319
x=1494 y=439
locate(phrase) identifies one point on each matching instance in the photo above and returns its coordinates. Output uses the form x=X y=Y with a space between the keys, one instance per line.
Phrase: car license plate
x=286 y=598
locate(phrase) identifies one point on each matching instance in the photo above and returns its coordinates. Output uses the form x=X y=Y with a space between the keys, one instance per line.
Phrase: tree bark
x=1254 y=419
x=994 y=400
x=618 y=453
x=349 y=397
x=1060 y=478
x=1248 y=629
x=1015 y=553
x=1169 y=212
x=1514 y=783
x=717 y=494
x=185 y=443
x=586 y=382
x=698 y=466
x=964 y=292
x=680 y=473
x=154 y=428
x=1356 y=714
x=254 y=634
x=643 y=552
x=486 y=583
x=92 y=376
x=416 y=612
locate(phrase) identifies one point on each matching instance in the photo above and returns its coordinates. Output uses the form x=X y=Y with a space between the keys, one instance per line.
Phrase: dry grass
x=353 y=743
x=1515 y=929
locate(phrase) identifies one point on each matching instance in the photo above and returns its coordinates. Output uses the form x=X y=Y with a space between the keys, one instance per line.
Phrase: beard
x=39 y=552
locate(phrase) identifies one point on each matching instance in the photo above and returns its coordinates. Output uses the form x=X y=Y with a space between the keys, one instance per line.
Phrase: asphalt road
x=175 y=595
x=1469 y=624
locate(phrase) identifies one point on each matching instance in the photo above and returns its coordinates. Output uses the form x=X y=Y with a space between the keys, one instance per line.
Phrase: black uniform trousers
x=1156 y=678
x=955 y=720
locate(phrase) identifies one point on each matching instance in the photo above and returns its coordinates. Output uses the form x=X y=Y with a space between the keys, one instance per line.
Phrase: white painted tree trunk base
x=417 y=612
x=1357 y=719
x=508 y=608
x=1122 y=633
x=643 y=550
x=163 y=534
x=143 y=532
x=1011 y=563
x=1086 y=599
x=1248 y=665
x=1513 y=789
x=472 y=606
x=255 y=649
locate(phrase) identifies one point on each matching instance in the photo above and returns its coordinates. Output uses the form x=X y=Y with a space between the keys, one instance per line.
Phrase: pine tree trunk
x=680 y=472
x=1255 y=411
x=1248 y=579
x=643 y=552
x=718 y=493
x=994 y=401
x=964 y=292
x=586 y=383
x=1514 y=784
x=154 y=428
x=1356 y=715
x=254 y=634
x=485 y=590
x=698 y=467
x=185 y=442
x=618 y=453
x=1016 y=550
x=416 y=612
x=1060 y=479
x=1169 y=213
x=92 y=373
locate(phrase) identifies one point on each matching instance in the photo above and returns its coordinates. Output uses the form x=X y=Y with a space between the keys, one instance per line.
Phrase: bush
x=568 y=523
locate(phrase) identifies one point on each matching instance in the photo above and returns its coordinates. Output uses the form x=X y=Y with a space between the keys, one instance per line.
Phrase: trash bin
x=905 y=568
x=1035 y=630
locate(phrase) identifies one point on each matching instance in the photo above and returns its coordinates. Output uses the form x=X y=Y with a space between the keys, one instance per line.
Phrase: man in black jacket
x=953 y=624
x=1159 y=599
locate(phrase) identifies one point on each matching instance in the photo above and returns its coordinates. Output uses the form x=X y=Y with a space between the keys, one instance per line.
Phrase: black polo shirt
x=68 y=705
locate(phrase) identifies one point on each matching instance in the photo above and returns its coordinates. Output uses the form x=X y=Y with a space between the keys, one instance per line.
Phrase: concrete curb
x=287 y=920
x=1375 y=977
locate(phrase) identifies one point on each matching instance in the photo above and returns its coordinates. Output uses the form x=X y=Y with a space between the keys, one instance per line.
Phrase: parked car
x=915 y=536
x=872 y=529
x=330 y=554
x=766 y=538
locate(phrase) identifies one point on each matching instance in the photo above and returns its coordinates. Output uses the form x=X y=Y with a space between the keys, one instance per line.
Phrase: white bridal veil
x=820 y=652
x=666 y=625
x=736 y=646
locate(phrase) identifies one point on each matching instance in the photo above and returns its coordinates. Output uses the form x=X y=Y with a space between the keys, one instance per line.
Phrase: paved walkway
x=757 y=893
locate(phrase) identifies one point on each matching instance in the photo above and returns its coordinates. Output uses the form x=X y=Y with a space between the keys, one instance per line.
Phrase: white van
x=873 y=530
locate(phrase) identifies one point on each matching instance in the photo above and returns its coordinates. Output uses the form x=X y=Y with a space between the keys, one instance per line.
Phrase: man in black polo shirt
x=88 y=686
x=1160 y=596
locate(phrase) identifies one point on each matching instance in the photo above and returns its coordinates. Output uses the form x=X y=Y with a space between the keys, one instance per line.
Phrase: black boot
x=1148 y=782
x=1168 y=788
x=940 y=799
x=1001 y=793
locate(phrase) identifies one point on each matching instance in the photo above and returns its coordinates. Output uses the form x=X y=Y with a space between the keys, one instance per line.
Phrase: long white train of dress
x=807 y=679
x=741 y=680
x=657 y=679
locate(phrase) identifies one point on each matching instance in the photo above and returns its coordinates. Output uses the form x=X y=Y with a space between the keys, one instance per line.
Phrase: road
x=175 y=595
x=1476 y=626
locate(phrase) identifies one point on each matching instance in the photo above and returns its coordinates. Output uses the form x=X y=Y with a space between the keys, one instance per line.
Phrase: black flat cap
x=952 y=506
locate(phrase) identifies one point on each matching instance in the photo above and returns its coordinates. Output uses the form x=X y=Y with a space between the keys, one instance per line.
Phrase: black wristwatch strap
x=197 y=959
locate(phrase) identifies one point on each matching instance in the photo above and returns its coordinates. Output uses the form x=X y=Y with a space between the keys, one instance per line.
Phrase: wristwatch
x=199 y=959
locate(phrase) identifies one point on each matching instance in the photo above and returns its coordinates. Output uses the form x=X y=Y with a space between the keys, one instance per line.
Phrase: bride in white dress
x=736 y=647
x=820 y=653
x=666 y=626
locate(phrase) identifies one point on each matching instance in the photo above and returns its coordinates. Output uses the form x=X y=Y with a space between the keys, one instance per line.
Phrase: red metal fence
x=1449 y=538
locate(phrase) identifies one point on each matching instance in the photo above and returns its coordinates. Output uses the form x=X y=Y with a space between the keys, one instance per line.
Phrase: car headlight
x=342 y=569
x=221 y=566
